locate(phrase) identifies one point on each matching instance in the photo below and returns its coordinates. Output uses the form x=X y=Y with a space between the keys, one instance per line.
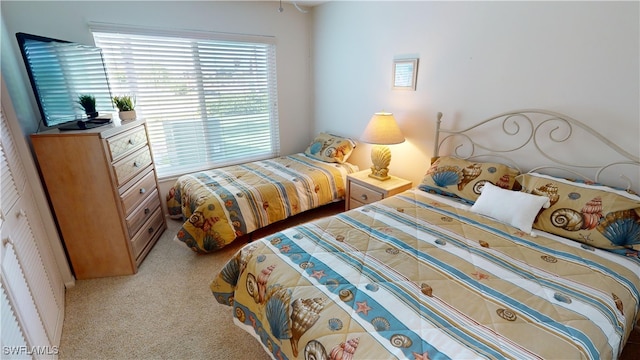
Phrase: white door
x=31 y=281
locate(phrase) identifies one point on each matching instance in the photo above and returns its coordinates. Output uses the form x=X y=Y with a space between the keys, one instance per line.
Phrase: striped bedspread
x=412 y=277
x=228 y=202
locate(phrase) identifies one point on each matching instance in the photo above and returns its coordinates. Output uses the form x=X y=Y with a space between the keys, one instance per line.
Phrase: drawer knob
x=146 y=211
x=143 y=190
x=135 y=164
x=363 y=196
x=132 y=141
x=150 y=230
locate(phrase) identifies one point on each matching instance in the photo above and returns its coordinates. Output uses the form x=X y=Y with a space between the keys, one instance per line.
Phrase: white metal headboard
x=543 y=141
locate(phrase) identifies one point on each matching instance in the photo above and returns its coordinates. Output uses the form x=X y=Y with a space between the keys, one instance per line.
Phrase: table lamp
x=382 y=130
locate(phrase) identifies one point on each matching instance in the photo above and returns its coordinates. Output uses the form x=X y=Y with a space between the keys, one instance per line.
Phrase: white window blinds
x=209 y=99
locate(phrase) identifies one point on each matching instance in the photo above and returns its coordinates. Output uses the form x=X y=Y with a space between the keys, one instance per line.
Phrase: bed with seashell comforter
x=481 y=260
x=220 y=205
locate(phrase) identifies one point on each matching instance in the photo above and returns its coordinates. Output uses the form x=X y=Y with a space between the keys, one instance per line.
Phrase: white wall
x=477 y=59
x=67 y=20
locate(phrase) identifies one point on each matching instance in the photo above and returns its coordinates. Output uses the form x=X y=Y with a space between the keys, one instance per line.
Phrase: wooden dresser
x=103 y=188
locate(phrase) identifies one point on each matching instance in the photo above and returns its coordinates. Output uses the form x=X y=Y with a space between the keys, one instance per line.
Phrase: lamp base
x=381 y=158
x=378 y=177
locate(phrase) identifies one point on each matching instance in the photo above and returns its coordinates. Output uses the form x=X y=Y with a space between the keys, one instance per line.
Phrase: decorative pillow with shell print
x=593 y=214
x=463 y=179
x=330 y=148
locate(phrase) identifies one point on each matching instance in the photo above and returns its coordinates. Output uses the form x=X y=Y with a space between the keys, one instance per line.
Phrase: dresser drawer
x=142 y=212
x=355 y=204
x=131 y=165
x=124 y=143
x=147 y=232
x=363 y=195
x=138 y=192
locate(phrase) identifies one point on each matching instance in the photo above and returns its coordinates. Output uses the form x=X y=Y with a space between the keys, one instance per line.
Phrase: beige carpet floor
x=165 y=311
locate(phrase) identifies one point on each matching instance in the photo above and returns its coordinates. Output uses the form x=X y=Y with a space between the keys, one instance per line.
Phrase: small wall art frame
x=405 y=74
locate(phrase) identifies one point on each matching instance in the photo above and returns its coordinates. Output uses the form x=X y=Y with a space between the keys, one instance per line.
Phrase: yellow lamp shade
x=381 y=130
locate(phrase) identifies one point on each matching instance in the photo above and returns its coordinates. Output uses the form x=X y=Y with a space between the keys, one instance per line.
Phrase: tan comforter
x=414 y=278
x=221 y=204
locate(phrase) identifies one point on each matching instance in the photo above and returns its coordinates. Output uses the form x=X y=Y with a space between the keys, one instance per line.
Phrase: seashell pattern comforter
x=221 y=204
x=414 y=277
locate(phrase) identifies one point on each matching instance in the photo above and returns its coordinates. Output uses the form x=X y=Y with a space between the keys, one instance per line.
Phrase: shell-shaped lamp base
x=381 y=158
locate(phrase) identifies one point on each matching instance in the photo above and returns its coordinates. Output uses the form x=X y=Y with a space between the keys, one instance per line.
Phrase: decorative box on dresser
x=103 y=188
x=362 y=189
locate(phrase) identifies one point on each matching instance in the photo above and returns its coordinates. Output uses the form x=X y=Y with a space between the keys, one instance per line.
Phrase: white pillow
x=518 y=209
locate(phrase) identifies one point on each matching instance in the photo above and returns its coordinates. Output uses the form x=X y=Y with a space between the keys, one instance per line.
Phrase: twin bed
x=432 y=274
x=223 y=204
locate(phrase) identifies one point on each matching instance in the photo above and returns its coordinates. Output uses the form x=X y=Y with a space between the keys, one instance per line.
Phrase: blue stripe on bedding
x=247 y=192
x=278 y=185
x=418 y=345
x=442 y=323
x=557 y=253
x=327 y=173
x=520 y=272
x=232 y=208
x=477 y=285
x=300 y=178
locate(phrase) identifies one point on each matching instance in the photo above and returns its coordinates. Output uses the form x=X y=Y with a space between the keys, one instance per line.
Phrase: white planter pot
x=127 y=115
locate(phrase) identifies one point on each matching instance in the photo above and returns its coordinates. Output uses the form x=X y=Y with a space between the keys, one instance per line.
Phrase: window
x=209 y=99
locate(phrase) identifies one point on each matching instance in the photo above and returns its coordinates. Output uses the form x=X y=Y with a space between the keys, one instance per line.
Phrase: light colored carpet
x=165 y=311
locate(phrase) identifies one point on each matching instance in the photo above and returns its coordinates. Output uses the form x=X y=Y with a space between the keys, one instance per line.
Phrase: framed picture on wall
x=405 y=74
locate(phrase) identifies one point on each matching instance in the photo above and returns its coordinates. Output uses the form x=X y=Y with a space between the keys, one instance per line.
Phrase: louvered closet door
x=12 y=335
x=34 y=288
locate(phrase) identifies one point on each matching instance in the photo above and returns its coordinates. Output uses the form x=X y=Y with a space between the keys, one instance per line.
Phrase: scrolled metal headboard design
x=543 y=135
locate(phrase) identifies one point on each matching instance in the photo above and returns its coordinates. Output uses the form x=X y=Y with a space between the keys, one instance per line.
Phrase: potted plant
x=126 y=107
x=88 y=103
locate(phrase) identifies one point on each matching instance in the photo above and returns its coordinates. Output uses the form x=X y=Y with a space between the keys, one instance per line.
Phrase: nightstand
x=362 y=190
